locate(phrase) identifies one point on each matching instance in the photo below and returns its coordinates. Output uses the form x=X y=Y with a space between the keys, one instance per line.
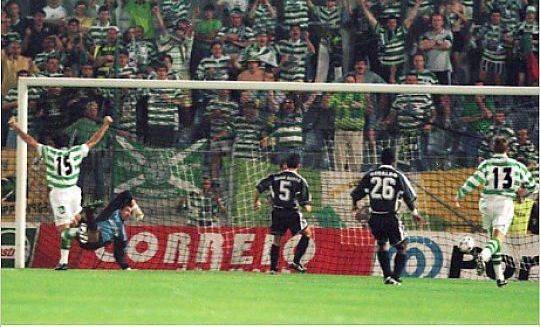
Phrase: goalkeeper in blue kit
x=108 y=226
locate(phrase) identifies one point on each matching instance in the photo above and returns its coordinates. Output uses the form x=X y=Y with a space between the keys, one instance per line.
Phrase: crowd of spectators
x=458 y=42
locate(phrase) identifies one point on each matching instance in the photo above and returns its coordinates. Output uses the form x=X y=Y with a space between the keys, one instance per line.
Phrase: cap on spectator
x=80 y=2
x=253 y=58
x=237 y=11
x=261 y=31
x=112 y=27
x=530 y=9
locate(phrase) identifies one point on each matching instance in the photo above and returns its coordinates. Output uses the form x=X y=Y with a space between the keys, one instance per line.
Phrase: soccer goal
x=192 y=152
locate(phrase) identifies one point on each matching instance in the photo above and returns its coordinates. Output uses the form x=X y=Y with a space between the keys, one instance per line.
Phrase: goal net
x=191 y=153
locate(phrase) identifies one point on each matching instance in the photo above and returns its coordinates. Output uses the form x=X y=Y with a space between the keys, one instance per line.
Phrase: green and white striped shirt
x=288 y=130
x=493 y=43
x=425 y=77
x=499 y=175
x=97 y=33
x=263 y=21
x=329 y=18
x=297 y=52
x=221 y=67
x=63 y=165
x=248 y=134
x=391 y=9
x=174 y=10
x=391 y=45
x=162 y=112
x=413 y=110
x=296 y=13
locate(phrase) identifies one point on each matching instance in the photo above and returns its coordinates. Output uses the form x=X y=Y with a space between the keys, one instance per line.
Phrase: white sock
x=486 y=254
x=64 y=255
x=499 y=273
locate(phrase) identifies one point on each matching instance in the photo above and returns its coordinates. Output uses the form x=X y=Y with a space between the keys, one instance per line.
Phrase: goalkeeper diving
x=108 y=226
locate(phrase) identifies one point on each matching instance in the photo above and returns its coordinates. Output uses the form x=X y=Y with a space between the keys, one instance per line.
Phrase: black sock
x=384 y=261
x=399 y=263
x=91 y=221
x=274 y=256
x=301 y=249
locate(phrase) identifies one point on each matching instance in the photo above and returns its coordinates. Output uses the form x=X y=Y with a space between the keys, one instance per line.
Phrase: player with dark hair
x=289 y=192
x=386 y=186
x=63 y=168
x=108 y=226
x=502 y=179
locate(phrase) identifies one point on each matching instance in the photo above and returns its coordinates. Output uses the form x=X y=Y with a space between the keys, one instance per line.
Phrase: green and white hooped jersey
x=63 y=165
x=499 y=175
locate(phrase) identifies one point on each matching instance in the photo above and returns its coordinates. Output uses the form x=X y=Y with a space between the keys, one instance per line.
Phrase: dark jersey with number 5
x=288 y=190
x=385 y=187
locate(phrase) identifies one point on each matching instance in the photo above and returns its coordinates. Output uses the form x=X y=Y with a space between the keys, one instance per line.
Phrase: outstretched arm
x=372 y=20
x=412 y=14
x=26 y=138
x=107 y=121
x=475 y=180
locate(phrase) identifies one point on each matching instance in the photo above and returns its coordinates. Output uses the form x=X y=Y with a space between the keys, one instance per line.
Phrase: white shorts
x=65 y=203
x=497 y=212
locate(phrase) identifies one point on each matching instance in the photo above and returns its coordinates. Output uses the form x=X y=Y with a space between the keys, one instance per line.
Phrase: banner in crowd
x=8 y=244
x=156 y=173
x=435 y=255
x=180 y=248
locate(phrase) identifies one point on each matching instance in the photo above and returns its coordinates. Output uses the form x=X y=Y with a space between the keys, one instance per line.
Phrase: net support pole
x=21 y=178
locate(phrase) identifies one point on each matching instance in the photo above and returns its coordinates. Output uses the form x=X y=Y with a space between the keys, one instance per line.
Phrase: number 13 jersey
x=499 y=175
x=63 y=165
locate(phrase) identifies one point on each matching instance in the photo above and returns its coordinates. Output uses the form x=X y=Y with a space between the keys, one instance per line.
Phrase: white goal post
x=25 y=82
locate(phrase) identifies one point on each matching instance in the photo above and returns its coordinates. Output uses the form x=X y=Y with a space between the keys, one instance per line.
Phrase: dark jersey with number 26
x=288 y=190
x=385 y=187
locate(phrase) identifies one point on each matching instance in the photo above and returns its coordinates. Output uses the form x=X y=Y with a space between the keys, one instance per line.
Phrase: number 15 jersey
x=288 y=190
x=63 y=165
x=385 y=187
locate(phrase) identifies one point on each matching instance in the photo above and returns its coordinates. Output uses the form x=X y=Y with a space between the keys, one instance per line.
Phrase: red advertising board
x=170 y=247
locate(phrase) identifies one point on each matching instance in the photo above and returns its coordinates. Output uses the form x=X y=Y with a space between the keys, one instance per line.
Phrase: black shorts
x=283 y=219
x=387 y=227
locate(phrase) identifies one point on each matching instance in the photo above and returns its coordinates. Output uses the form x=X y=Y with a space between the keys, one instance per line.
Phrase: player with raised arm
x=386 y=186
x=503 y=179
x=289 y=192
x=63 y=168
x=108 y=226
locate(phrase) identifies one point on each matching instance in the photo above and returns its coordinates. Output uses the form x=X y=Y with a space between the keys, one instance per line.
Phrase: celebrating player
x=63 y=167
x=502 y=179
x=386 y=186
x=289 y=192
x=108 y=226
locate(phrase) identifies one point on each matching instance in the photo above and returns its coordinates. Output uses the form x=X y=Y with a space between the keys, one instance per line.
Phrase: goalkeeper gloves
x=137 y=212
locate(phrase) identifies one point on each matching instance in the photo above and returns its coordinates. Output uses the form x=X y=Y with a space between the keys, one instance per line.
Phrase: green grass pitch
x=34 y=296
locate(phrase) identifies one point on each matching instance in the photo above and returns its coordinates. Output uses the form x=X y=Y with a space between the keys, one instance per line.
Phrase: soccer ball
x=466 y=244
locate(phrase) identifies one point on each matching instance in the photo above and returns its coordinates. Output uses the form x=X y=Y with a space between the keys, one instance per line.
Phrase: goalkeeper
x=108 y=226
